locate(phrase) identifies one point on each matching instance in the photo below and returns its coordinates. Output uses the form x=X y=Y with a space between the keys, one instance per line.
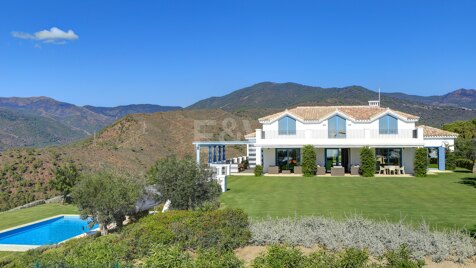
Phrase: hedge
x=309 y=156
x=420 y=164
x=367 y=161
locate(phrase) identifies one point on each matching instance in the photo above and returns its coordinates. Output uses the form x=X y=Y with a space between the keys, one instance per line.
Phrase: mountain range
x=43 y=121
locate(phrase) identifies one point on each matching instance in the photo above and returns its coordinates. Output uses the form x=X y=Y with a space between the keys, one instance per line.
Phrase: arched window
x=337 y=127
x=287 y=126
x=388 y=125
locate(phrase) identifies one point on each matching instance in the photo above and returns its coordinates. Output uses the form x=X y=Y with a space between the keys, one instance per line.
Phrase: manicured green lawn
x=440 y=200
x=15 y=218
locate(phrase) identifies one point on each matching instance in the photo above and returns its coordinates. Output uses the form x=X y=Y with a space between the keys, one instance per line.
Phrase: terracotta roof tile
x=317 y=113
x=436 y=132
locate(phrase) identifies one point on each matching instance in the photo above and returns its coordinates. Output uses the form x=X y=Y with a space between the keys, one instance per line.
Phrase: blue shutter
x=441 y=158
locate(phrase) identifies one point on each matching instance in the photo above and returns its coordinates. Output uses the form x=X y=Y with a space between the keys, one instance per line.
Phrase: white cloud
x=52 y=36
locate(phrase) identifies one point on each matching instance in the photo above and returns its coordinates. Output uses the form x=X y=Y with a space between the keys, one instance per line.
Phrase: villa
x=337 y=134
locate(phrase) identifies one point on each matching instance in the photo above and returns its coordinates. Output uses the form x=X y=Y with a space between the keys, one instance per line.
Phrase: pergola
x=216 y=149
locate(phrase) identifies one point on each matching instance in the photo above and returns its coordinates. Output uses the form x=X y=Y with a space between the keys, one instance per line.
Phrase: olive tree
x=182 y=181
x=107 y=197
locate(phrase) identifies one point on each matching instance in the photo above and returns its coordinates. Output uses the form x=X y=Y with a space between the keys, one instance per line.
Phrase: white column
x=197 y=148
x=258 y=156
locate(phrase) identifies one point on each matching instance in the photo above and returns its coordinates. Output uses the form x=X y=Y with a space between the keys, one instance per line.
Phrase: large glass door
x=287 y=159
x=337 y=157
x=333 y=158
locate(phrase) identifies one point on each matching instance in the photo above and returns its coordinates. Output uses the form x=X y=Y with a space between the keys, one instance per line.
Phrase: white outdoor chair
x=392 y=170
x=382 y=170
x=402 y=170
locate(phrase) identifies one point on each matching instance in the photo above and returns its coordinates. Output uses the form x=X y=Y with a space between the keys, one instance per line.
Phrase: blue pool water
x=47 y=232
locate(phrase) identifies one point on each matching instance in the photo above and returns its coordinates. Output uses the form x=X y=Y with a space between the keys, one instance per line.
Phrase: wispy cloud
x=51 y=36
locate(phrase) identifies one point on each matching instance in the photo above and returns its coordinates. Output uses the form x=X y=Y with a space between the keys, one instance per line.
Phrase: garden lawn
x=440 y=200
x=23 y=216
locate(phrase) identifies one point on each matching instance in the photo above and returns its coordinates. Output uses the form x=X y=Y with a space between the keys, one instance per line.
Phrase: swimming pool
x=48 y=232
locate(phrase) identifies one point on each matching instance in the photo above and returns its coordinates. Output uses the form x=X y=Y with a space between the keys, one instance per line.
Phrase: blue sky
x=177 y=52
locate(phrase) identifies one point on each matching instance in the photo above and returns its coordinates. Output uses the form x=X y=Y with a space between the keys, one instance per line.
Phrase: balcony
x=351 y=134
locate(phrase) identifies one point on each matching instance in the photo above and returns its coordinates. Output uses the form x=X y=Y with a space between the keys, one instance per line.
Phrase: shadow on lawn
x=470 y=181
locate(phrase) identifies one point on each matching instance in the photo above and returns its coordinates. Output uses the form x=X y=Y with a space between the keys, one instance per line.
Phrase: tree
x=309 y=156
x=182 y=181
x=107 y=197
x=420 y=164
x=367 y=162
x=66 y=176
x=450 y=163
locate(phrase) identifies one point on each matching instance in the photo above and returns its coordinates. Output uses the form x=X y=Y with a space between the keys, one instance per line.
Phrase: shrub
x=221 y=229
x=258 y=170
x=450 y=160
x=420 y=164
x=309 y=156
x=280 y=256
x=213 y=258
x=168 y=257
x=183 y=182
x=357 y=232
x=401 y=258
x=367 y=162
x=464 y=163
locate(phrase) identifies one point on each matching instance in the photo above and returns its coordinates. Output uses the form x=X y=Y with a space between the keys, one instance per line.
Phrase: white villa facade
x=339 y=132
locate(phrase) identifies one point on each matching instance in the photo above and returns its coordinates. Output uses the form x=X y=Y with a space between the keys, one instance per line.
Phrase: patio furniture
x=355 y=170
x=337 y=171
x=273 y=170
x=286 y=171
x=382 y=170
x=391 y=170
x=321 y=170
x=298 y=170
x=402 y=170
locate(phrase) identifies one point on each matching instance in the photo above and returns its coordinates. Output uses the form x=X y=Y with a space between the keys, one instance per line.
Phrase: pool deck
x=23 y=248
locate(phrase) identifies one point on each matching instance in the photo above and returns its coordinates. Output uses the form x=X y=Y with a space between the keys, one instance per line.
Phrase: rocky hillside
x=131 y=145
x=277 y=96
x=42 y=121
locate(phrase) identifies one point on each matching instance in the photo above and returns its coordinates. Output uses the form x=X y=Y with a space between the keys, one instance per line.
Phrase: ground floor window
x=388 y=156
x=337 y=157
x=433 y=157
x=287 y=159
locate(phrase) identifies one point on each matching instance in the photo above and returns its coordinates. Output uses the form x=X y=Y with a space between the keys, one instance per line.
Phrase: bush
x=183 y=182
x=225 y=229
x=420 y=164
x=401 y=258
x=258 y=170
x=280 y=256
x=360 y=233
x=309 y=156
x=168 y=257
x=450 y=160
x=367 y=162
x=464 y=163
x=213 y=258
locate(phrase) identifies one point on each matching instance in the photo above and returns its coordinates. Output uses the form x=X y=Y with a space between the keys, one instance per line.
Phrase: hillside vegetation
x=130 y=145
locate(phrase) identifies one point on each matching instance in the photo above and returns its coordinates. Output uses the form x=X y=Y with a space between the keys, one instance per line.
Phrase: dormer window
x=388 y=125
x=337 y=127
x=287 y=126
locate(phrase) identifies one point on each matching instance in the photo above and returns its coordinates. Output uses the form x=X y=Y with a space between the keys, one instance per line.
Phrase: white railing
x=300 y=134
x=349 y=134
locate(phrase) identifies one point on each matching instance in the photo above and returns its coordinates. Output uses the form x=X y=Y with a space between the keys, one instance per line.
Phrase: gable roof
x=430 y=132
x=354 y=113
